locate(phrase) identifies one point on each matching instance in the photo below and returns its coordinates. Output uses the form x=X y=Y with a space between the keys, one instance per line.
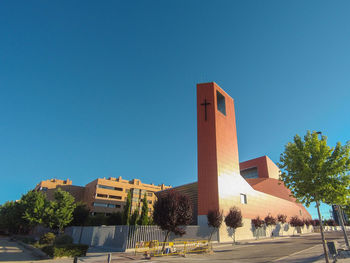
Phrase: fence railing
x=155 y=248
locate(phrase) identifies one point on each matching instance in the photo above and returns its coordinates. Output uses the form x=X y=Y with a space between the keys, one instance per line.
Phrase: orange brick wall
x=220 y=184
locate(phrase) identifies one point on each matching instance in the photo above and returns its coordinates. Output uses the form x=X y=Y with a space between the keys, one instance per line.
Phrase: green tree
x=127 y=210
x=134 y=217
x=315 y=172
x=143 y=220
x=61 y=210
x=11 y=218
x=115 y=219
x=35 y=207
x=80 y=215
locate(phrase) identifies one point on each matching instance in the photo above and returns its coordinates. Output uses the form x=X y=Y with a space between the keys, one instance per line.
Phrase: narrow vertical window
x=243 y=199
x=220 y=99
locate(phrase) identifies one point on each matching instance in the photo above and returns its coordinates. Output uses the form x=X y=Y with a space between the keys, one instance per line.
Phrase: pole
x=341 y=221
x=322 y=234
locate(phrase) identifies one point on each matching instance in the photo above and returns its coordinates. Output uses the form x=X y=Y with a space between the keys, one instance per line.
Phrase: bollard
x=75 y=260
x=109 y=258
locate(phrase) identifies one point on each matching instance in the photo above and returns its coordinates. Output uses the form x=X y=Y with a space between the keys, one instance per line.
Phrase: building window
x=105 y=187
x=109 y=187
x=149 y=194
x=102 y=195
x=115 y=197
x=111 y=205
x=250 y=173
x=100 y=204
x=243 y=199
x=220 y=100
x=150 y=202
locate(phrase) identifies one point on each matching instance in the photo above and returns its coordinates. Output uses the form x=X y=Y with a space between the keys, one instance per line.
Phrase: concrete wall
x=120 y=238
x=248 y=232
x=112 y=238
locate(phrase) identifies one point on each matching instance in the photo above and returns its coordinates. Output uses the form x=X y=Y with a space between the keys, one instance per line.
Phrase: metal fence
x=120 y=238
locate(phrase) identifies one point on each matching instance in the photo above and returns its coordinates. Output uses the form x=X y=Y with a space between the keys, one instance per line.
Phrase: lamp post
x=321 y=224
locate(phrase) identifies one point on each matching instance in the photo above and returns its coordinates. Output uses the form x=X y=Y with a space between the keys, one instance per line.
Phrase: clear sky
x=108 y=88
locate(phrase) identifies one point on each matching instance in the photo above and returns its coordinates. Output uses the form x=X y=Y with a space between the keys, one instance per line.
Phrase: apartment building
x=106 y=195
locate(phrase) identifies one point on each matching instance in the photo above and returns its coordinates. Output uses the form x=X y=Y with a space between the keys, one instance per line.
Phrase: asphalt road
x=307 y=247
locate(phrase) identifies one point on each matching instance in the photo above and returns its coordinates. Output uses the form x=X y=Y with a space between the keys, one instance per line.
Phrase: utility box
x=332 y=247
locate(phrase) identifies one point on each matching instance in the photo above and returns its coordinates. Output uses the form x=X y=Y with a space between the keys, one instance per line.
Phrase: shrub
x=71 y=250
x=270 y=220
x=257 y=222
x=315 y=222
x=47 y=239
x=330 y=222
x=63 y=240
x=295 y=221
x=307 y=222
x=282 y=218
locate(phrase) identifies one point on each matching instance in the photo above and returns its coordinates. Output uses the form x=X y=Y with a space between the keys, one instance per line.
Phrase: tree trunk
x=341 y=221
x=166 y=238
x=321 y=230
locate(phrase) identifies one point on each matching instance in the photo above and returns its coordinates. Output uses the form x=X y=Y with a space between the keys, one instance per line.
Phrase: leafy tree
x=115 y=219
x=35 y=207
x=143 y=220
x=127 y=210
x=307 y=222
x=97 y=220
x=134 y=217
x=172 y=211
x=270 y=221
x=315 y=172
x=258 y=223
x=61 y=210
x=282 y=218
x=215 y=218
x=234 y=220
x=80 y=215
x=11 y=218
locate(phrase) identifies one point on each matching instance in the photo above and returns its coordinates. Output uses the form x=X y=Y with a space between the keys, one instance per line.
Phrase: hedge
x=70 y=250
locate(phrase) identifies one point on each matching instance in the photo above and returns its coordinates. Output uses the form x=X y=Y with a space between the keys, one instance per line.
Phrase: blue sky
x=95 y=89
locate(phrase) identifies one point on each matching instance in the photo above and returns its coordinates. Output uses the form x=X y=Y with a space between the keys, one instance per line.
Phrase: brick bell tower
x=218 y=163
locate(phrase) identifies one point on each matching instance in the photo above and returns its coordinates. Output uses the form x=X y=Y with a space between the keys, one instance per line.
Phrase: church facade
x=223 y=181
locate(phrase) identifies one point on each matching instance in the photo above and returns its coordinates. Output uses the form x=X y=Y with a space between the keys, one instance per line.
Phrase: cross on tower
x=205 y=104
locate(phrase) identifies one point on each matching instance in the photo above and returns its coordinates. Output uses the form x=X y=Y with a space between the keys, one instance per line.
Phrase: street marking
x=295 y=253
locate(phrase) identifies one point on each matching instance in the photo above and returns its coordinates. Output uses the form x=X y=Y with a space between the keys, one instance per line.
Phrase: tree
x=115 y=219
x=35 y=207
x=61 y=210
x=234 y=220
x=315 y=172
x=134 y=217
x=172 y=211
x=295 y=221
x=143 y=220
x=257 y=223
x=270 y=221
x=11 y=218
x=282 y=219
x=80 y=215
x=127 y=210
x=215 y=218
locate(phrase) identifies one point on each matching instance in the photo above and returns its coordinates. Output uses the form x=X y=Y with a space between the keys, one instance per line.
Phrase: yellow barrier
x=156 y=248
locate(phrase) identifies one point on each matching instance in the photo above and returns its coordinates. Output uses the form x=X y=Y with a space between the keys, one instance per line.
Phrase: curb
x=35 y=251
